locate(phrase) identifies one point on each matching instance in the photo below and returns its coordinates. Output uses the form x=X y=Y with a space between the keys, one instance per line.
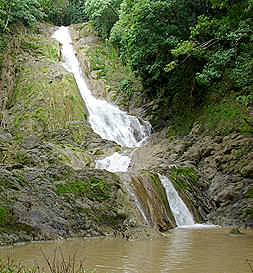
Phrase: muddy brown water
x=184 y=250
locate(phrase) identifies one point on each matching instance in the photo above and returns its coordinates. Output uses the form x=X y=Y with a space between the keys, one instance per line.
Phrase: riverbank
x=183 y=250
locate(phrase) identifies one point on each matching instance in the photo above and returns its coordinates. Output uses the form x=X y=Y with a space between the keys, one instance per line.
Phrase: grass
x=57 y=264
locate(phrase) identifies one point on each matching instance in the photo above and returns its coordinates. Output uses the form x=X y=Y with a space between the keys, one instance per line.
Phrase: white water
x=113 y=124
x=182 y=215
x=106 y=119
x=114 y=163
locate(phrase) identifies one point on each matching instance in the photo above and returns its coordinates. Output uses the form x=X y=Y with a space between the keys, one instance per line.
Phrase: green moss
x=93 y=188
x=117 y=149
x=20 y=178
x=7 y=183
x=111 y=220
x=225 y=117
x=17 y=120
x=3 y=215
x=241 y=153
x=64 y=158
x=182 y=122
x=159 y=187
x=235 y=231
x=249 y=193
x=19 y=137
x=99 y=152
x=247 y=212
x=180 y=176
x=45 y=108
x=40 y=115
x=39 y=46
x=22 y=158
x=29 y=47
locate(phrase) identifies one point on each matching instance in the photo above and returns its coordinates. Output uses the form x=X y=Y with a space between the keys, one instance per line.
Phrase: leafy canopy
x=147 y=30
x=103 y=14
x=28 y=11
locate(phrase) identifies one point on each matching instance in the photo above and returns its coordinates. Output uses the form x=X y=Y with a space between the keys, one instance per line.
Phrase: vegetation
x=104 y=14
x=55 y=265
x=30 y=12
x=3 y=214
x=94 y=188
x=64 y=12
x=198 y=50
x=201 y=51
x=182 y=177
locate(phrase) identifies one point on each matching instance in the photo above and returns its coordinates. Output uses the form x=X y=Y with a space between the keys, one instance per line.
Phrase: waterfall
x=180 y=211
x=113 y=124
x=105 y=119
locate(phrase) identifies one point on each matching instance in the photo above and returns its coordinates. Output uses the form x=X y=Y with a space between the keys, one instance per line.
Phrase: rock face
x=212 y=172
x=106 y=77
x=59 y=202
x=151 y=198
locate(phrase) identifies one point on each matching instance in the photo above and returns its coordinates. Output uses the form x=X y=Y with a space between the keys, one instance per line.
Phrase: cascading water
x=114 y=163
x=113 y=124
x=180 y=211
x=106 y=119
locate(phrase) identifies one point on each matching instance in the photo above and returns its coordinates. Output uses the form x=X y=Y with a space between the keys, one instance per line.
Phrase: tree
x=224 y=45
x=64 y=12
x=147 y=30
x=28 y=11
x=103 y=14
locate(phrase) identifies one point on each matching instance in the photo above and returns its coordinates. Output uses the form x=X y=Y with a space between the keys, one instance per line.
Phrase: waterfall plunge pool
x=183 y=250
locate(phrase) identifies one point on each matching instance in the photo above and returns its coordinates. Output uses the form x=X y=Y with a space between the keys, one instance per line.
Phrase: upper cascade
x=106 y=119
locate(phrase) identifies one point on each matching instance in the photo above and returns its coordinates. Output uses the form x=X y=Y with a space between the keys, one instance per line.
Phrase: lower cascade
x=181 y=213
x=128 y=131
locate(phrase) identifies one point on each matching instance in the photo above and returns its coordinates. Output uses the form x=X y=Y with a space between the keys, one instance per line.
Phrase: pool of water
x=212 y=250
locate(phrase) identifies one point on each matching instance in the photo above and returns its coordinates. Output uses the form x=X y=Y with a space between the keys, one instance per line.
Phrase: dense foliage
x=28 y=11
x=176 y=47
x=64 y=12
x=104 y=14
x=223 y=44
x=31 y=11
x=148 y=30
